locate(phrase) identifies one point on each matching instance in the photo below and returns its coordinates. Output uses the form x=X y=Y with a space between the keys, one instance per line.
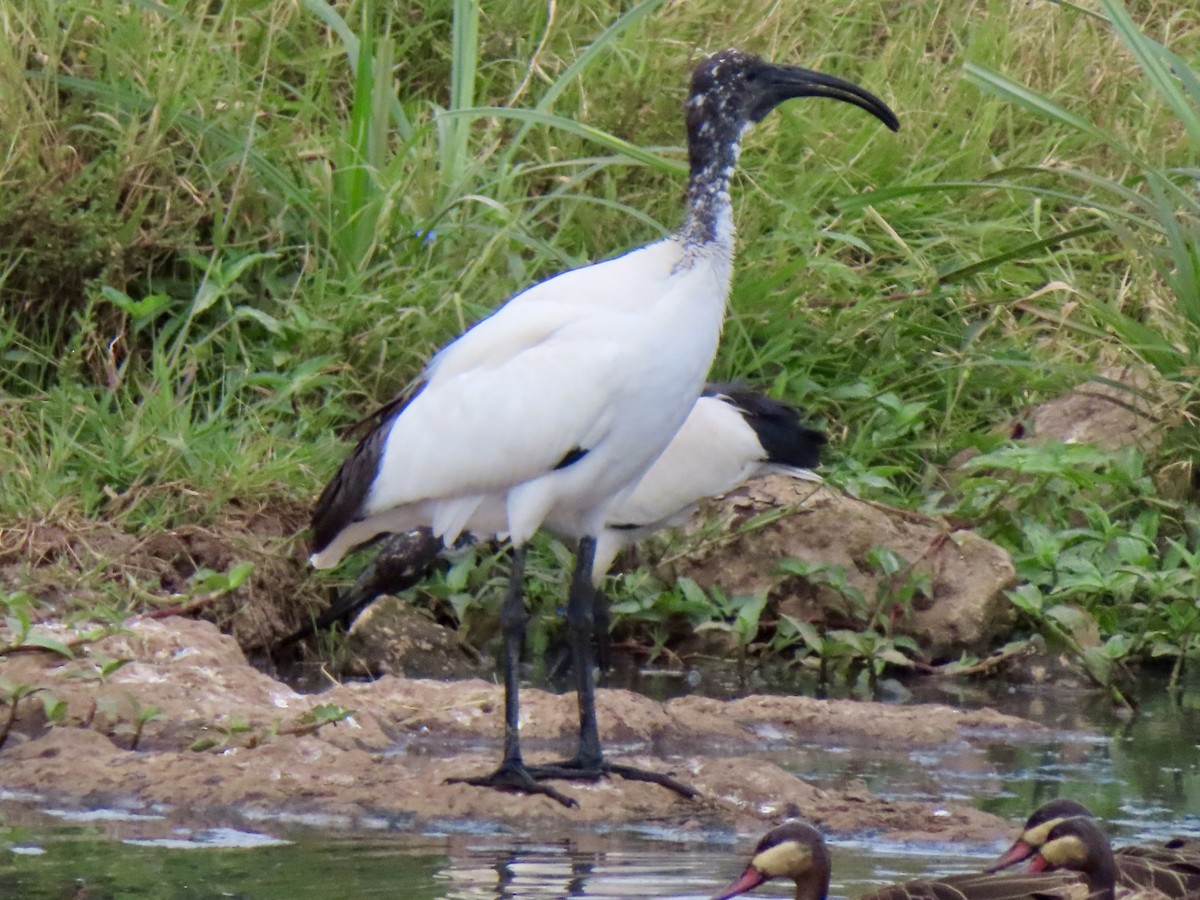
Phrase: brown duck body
x=1169 y=870
x=1043 y=885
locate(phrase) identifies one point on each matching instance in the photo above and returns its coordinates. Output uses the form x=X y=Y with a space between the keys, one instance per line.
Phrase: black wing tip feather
x=403 y=560
x=785 y=438
x=342 y=500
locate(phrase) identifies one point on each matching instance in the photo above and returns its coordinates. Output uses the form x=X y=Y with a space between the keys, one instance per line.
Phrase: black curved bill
x=781 y=83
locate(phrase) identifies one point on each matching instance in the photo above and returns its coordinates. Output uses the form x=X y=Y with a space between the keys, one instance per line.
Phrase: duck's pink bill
x=751 y=878
x=1016 y=853
x=1038 y=864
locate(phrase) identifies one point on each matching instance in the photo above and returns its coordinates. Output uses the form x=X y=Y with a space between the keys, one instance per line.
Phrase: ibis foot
x=516 y=776
x=578 y=770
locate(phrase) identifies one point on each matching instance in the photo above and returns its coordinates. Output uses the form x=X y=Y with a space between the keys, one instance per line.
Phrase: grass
x=226 y=232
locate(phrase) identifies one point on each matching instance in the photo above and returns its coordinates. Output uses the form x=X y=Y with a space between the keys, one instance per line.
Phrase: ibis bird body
x=507 y=429
x=731 y=435
x=553 y=407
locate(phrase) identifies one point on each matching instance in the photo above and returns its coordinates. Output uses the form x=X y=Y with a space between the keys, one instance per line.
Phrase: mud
x=73 y=564
x=391 y=756
x=186 y=721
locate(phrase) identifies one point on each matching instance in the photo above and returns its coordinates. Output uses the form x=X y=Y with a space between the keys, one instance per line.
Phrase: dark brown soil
x=69 y=565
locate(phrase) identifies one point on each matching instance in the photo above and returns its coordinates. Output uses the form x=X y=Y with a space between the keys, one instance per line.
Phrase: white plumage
x=557 y=368
x=553 y=408
x=731 y=435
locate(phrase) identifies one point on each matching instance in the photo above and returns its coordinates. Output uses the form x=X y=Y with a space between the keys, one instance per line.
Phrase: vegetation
x=227 y=231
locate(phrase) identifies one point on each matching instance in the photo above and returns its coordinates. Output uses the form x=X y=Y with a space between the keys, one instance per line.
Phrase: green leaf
x=1028 y=599
x=1027 y=98
x=54 y=707
x=614 y=144
x=749 y=612
x=894 y=657
x=37 y=639
x=1159 y=67
x=808 y=633
x=238 y=575
x=692 y=592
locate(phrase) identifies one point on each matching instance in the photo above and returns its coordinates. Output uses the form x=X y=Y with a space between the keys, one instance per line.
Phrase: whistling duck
x=797 y=851
x=1172 y=869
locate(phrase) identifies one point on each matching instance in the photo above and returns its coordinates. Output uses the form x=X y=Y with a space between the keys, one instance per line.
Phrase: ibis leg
x=513 y=774
x=589 y=763
x=603 y=620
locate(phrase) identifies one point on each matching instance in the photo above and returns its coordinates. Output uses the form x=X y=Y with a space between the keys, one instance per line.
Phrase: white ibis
x=546 y=412
x=731 y=435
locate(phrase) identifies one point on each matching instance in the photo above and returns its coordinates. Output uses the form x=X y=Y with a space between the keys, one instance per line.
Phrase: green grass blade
x=607 y=37
x=131 y=102
x=1148 y=343
x=1075 y=7
x=1156 y=66
x=163 y=10
x=859 y=201
x=1181 y=70
x=602 y=138
x=602 y=42
x=464 y=59
x=1183 y=250
x=1020 y=95
x=1024 y=251
x=335 y=23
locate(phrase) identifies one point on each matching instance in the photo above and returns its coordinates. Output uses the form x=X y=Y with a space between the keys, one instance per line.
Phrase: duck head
x=1037 y=827
x=1079 y=845
x=796 y=851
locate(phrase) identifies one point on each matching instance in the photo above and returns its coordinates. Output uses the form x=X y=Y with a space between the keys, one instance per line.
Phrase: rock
x=967 y=610
x=1102 y=413
x=393 y=638
x=403 y=738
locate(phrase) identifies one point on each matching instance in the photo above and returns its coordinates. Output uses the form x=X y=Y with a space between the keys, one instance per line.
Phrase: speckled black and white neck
x=717 y=117
x=730 y=91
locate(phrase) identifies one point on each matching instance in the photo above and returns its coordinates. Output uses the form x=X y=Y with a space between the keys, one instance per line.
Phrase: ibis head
x=732 y=90
x=742 y=88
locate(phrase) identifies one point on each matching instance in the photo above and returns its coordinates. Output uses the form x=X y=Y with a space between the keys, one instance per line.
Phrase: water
x=314 y=864
x=1142 y=774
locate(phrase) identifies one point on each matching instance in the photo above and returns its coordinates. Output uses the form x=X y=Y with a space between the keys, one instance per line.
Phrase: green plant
x=98 y=668
x=1066 y=626
x=1149 y=206
x=320 y=715
x=18 y=620
x=1094 y=547
x=12 y=695
x=237 y=731
x=738 y=616
x=128 y=716
x=219 y=735
x=206 y=587
x=664 y=611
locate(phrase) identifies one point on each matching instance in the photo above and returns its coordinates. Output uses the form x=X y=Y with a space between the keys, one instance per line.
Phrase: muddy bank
x=255 y=746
